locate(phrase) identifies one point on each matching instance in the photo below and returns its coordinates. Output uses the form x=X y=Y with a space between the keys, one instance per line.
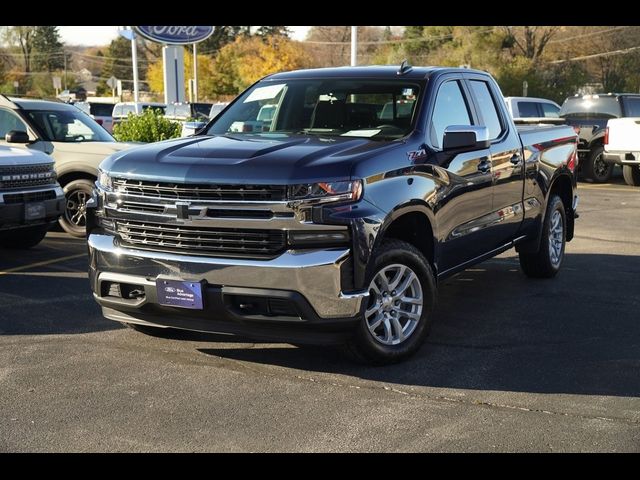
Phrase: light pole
x=354 y=46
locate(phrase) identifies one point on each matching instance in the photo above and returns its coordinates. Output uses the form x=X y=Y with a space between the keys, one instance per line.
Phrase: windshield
x=68 y=126
x=591 y=106
x=381 y=110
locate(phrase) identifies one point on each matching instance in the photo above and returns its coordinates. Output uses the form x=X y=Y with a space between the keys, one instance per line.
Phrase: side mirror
x=16 y=136
x=465 y=137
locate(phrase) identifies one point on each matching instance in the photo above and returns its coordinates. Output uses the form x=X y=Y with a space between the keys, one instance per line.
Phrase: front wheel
x=397 y=316
x=631 y=174
x=546 y=262
x=77 y=194
x=595 y=168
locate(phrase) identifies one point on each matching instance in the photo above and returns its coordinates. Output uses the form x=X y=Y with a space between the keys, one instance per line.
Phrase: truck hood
x=236 y=159
x=11 y=156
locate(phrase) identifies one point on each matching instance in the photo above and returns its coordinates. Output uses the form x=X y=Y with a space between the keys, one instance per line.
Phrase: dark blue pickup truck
x=326 y=205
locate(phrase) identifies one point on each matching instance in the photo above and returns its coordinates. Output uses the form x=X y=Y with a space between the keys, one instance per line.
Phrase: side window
x=490 y=117
x=117 y=111
x=10 y=121
x=632 y=106
x=528 y=110
x=450 y=109
x=550 y=111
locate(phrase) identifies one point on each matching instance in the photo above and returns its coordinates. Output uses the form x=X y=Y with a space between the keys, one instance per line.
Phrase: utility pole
x=134 y=58
x=64 y=56
x=195 y=73
x=354 y=46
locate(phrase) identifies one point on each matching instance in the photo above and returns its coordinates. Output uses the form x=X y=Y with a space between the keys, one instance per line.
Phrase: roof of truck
x=373 y=71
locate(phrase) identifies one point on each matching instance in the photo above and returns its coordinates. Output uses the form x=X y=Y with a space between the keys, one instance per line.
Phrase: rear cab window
x=487 y=107
x=591 y=106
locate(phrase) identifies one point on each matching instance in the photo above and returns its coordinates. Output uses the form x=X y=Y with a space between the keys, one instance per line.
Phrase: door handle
x=484 y=166
x=515 y=159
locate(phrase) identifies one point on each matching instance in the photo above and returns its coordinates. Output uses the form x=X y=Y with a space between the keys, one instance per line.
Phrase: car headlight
x=104 y=181
x=325 y=192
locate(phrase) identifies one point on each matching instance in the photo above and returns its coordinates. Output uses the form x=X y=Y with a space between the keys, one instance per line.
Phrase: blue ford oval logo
x=175 y=35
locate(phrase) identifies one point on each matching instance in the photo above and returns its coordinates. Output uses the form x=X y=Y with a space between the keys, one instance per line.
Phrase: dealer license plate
x=177 y=293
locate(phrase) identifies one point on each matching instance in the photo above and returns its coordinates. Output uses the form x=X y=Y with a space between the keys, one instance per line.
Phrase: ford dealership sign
x=175 y=35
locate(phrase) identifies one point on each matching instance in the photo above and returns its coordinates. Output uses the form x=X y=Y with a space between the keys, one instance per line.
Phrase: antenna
x=404 y=67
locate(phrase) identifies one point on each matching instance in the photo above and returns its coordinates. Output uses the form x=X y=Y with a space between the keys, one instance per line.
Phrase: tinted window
x=101 y=109
x=549 y=110
x=591 y=106
x=528 y=109
x=490 y=117
x=117 y=110
x=450 y=109
x=68 y=126
x=632 y=106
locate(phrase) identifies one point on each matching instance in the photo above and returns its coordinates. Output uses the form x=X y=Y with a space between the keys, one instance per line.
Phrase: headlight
x=104 y=181
x=325 y=192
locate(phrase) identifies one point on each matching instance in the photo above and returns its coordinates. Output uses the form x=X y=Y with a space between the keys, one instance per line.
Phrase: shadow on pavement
x=495 y=329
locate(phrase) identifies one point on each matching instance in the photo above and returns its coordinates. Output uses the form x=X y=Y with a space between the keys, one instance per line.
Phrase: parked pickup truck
x=622 y=147
x=588 y=115
x=329 y=224
x=30 y=198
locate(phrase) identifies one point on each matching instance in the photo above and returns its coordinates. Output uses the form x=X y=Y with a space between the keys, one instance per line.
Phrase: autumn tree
x=206 y=76
x=241 y=63
x=118 y=63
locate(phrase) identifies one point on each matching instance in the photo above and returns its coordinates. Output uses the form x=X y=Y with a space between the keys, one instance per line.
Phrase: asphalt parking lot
x=512 y=364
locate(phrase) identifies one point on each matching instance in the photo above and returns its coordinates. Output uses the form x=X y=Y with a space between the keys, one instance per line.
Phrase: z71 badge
x=416 y=154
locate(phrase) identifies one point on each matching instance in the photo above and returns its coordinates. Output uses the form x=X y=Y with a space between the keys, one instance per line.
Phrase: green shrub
x=151 y=126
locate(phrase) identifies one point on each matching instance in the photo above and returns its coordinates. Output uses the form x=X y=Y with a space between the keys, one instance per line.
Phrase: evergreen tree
x=48 y=49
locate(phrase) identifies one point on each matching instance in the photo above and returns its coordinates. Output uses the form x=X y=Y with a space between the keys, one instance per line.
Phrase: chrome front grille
x=24 y=176
x=232 y=242
x=195 y=192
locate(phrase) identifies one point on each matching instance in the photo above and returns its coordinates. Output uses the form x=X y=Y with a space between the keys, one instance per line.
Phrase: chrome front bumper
x=315 y=274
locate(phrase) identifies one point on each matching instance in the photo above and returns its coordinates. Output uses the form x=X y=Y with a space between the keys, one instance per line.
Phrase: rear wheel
x=631 y=174
x=546 y=262
x=23 y=238
x=77 y=194
x=397 y=316
x=595 y=168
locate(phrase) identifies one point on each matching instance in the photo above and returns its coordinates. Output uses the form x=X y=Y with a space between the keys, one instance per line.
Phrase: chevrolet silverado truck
x=30 y=198
x=334 y=220
x=622 y=147
x=75 y=141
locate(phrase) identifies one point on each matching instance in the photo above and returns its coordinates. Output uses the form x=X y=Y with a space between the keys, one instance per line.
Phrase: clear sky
x=103 y=35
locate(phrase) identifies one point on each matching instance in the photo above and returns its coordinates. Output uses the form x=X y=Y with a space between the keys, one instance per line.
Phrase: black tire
x=23 y=238
x=363 y=347
x=74 y=219
x=631 y=174
x=595 y=168
x=541 y=264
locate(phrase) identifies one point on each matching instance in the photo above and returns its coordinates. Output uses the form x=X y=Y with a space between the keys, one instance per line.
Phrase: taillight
x=606 y=136
x=577 y=130
x=571 y=164
x=99 y=120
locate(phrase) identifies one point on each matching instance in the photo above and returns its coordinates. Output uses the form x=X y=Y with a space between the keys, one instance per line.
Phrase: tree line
x=555 y=61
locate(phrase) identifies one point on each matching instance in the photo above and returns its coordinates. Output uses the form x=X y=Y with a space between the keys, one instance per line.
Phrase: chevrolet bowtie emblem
x=182 y=210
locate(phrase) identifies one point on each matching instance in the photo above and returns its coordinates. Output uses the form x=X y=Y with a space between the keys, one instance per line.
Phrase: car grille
x=20 y=176
x=13 y=198
x=230 y=242
x=175 y=191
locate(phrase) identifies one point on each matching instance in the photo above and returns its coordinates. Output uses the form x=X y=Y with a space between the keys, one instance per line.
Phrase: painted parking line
x=609 y=188
x=41 y=264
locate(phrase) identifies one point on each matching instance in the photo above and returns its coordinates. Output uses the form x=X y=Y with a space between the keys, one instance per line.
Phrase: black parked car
x=588 y=114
